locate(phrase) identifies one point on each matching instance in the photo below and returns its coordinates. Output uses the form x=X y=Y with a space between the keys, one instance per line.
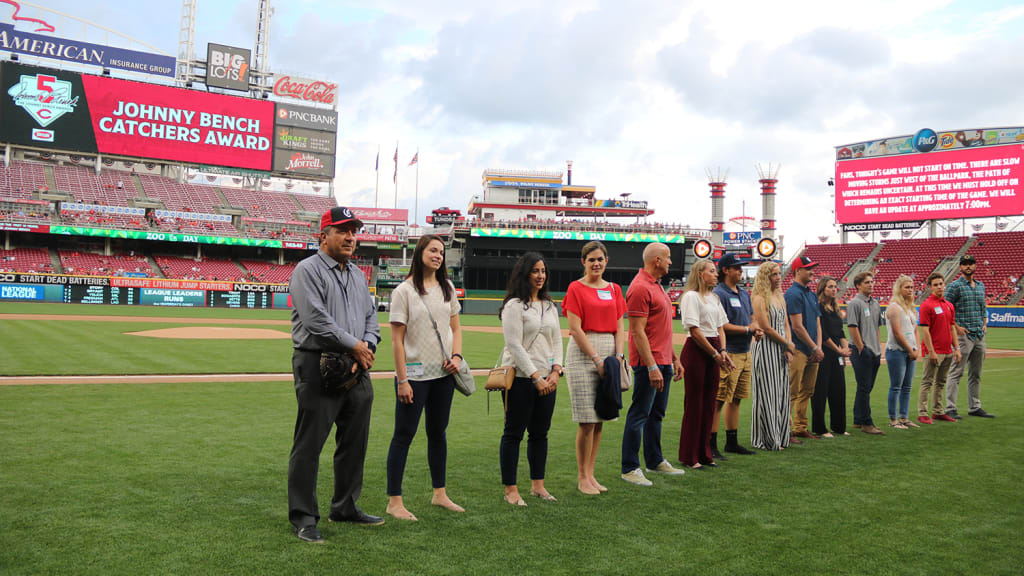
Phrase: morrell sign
x=306 y=89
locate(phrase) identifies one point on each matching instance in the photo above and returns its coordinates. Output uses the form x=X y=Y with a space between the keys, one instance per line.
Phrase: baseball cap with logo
x=337 y=216
x=730 y=261
x=967 y=259
x=803 y=262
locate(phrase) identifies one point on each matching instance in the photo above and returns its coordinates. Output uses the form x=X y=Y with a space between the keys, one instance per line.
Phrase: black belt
x=309 y=351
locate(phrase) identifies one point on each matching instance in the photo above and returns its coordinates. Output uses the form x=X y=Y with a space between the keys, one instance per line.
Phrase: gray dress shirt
x=331 y=306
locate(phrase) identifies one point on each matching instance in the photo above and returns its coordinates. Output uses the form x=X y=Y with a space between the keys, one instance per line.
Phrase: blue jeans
x=865 y=369
x=643 y=421
x=901 y=380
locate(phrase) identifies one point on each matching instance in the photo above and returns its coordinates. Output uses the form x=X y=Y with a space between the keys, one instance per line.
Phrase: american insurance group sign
x=307 y=90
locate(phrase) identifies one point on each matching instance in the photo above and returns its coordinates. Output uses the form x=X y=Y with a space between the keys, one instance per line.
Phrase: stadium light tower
x=261 y=52
x=186 y=42
x=768 y=178
x=717 y=181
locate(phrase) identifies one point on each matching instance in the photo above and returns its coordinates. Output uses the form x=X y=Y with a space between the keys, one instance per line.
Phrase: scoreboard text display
x=963 y=183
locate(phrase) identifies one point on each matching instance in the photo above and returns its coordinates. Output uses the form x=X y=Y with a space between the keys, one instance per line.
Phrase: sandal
x=517 y=502
x=909 y=423
x=827 y=435
x=897 y=424
x=543 y=496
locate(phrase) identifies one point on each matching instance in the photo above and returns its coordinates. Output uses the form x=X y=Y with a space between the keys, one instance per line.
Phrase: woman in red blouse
x=595 y=308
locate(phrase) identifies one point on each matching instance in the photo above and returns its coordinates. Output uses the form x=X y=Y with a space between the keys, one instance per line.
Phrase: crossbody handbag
x=464 y=382
x=501 y=377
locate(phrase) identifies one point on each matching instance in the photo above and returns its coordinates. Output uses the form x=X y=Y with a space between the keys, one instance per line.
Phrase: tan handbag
x=500 y=378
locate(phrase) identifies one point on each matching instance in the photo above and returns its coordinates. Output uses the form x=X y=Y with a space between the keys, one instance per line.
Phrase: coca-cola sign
x=382 y=214
x=306 y=89
x=293 y=162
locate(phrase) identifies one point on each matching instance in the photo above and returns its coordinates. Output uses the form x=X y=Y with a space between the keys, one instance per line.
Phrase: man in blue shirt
x=967 y=296
x=735 y=383
x=805 y=320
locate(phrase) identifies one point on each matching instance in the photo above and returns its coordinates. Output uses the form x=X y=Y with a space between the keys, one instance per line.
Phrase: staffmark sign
x=44 y=97
x=227 y=67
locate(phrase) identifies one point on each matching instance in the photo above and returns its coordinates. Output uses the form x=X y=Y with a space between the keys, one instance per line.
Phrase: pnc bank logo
x=925 y=140
x=44 y=97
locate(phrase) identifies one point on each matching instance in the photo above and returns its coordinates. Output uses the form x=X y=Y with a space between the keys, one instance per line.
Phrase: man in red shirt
x=654 y=363
x=940 y=348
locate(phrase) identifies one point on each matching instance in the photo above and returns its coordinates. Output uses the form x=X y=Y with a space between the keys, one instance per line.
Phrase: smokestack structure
x=768 y=180
x=569 y=172
x=717 y=183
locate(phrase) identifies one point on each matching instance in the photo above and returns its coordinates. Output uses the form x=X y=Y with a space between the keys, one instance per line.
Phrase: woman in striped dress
x=771 y=356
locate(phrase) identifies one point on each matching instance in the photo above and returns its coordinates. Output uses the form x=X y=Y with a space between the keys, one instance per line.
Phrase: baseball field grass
x=191 y=478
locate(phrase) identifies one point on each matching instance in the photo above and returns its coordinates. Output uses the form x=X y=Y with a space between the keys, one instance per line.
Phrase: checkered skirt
x=581 y=375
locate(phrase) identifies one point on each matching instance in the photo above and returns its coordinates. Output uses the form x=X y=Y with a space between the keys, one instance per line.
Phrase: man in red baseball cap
x=332 y=311
x=805 y=319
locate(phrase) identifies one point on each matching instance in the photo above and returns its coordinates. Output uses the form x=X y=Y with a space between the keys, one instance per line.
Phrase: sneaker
x=737 y=449
x=980 y=413
x=925 y=420
x=664 y=468
x=954 y=415
x=310 y=534
x=637 y=477
x=943 y=417
x=717 y=455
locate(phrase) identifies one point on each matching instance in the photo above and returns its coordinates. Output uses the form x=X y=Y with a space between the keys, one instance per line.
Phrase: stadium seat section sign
x=78 y=112
x=962 y=183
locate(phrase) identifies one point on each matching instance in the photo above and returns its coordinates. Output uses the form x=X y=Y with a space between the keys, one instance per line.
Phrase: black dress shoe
x=954 y=415
x=310 y=534
x=980 y=414
x=359 y=517
x=737 y=449
x=708 y=465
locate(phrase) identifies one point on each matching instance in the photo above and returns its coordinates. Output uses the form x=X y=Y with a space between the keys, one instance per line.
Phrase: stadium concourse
x=95 y=200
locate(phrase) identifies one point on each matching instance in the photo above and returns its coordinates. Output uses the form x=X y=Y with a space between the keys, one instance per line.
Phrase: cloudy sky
x=643 y=96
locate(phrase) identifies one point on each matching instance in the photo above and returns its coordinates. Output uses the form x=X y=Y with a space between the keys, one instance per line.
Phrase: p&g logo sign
x=925 y=140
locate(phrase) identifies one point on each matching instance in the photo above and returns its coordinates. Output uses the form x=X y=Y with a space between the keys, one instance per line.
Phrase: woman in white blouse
x=533 y=344
x=703 y=357
x=426 y=340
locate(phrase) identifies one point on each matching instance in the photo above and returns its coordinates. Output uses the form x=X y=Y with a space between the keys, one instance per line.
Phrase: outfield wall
x=144 y=291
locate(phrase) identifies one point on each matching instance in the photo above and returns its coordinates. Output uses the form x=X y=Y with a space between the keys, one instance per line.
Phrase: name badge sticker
x=867 y=312
x=604 y=294
x=413 y=369
x=938 y=309
x=735 y=302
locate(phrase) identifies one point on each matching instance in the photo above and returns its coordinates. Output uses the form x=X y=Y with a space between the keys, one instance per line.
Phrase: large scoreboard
x=931 y=176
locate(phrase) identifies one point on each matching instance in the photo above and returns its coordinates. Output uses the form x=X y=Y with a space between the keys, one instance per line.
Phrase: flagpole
x=416 y=205
x=376 y=188
x=396 y=174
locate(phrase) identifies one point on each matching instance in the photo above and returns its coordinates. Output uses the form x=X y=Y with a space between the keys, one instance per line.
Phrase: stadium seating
x=263 y=203
x=206 y=269
x=29 y=260
x=88 y=264
x=260 y=271
x=317 y=204
x=21 y=179
x=103 y=220
x=1000 y=265
x=833 y=260
x=915 y=257
x=181 y=197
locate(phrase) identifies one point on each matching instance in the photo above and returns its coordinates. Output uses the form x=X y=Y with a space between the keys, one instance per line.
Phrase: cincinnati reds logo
x=44 y=97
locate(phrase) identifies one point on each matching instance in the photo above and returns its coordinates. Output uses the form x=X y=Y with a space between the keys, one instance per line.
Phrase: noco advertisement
x=69 y=111
x=976 y=182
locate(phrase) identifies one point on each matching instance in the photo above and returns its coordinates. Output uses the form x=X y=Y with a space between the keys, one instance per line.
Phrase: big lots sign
x=306 y=89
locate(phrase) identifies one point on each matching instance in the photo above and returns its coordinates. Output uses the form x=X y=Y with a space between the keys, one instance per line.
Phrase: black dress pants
x=318 y=413
x=434 y=397
x=831 y=389
x=525 y=411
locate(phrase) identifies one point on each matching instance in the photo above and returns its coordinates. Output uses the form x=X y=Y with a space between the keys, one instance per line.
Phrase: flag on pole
x=395 y=178
x=415 y=159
